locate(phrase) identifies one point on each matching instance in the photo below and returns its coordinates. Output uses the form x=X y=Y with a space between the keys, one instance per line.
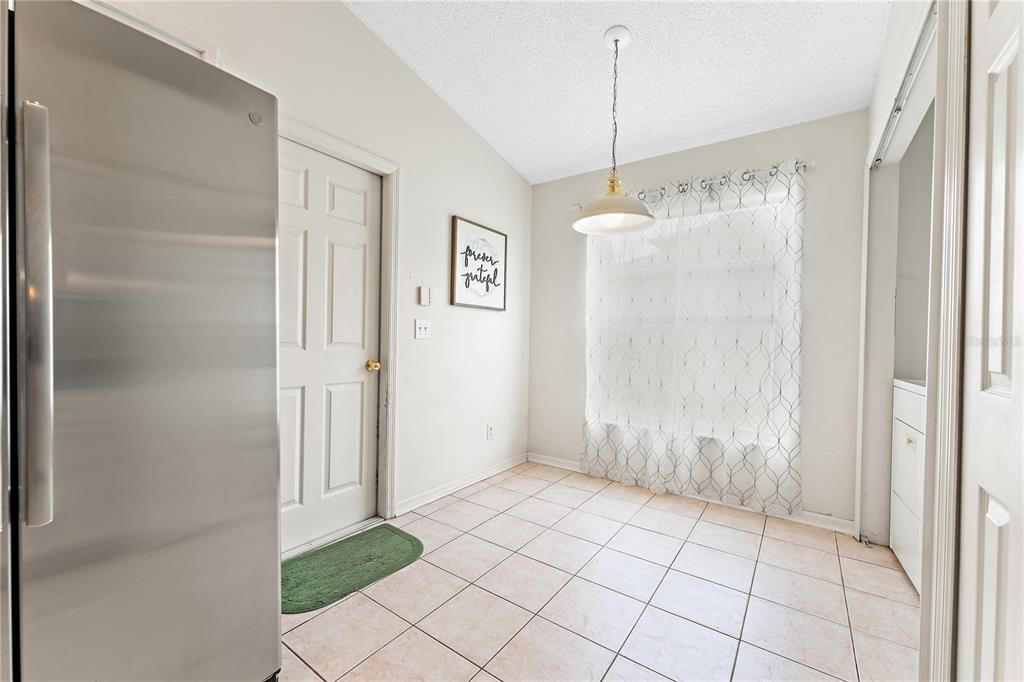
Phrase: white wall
x=879 y=338
x=831 y=307
x=913 y=254
x=329 y=71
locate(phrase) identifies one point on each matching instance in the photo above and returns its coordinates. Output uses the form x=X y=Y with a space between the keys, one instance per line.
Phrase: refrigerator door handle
x=39 y=316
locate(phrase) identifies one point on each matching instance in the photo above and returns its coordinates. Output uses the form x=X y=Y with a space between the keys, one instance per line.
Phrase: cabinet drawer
x=905 y=539
x=908 y=467
x=909 y=408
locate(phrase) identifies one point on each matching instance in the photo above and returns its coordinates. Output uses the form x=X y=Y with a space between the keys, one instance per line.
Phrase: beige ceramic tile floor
x=541 y=574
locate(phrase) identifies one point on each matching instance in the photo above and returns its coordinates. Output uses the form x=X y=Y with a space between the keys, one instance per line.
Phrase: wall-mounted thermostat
x=424 y=296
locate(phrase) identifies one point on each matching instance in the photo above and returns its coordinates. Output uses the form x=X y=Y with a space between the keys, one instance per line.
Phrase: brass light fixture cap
x=614 y=184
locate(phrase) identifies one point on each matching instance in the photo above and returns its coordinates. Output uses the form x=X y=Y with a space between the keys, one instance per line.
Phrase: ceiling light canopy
x=614 y=212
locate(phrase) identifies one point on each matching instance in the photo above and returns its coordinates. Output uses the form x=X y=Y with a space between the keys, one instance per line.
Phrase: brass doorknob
x=372 y=365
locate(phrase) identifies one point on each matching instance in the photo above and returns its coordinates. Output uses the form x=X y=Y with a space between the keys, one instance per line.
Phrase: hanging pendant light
x=614 y=212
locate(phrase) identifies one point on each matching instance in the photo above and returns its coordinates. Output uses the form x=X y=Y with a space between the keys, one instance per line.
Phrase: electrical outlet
x=490 y=432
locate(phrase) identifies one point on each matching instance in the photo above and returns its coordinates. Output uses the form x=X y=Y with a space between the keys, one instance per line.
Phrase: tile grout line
x=537 y=614
x=794 y=608
x=640 y=665
x=752 y=595
x=304 y=661
x=847 y=590
x=469 y=584
x=377 y=650
x=746 y=607
x=792 y=570
x=898 y=572
x=472 y=583
x=846 y=603
x=415 y=625
x=647 y=604
x=793 y=660
x=412 y=625
x=573 y=575
x=484 y=589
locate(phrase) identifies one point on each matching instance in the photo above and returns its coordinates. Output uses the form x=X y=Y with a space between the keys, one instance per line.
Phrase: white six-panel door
x=329 y=304
x=991 y=599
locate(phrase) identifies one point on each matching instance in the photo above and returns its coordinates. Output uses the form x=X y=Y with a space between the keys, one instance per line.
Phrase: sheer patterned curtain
x=693 y=342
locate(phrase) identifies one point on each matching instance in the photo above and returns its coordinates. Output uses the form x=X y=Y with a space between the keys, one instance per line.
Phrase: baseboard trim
x=825 y=521
x=560 y=462
x=411 y=503
x=810 y=518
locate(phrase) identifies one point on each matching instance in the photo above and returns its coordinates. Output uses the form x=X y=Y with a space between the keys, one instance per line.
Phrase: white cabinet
x=907 y=499
x=905 y=536
x=908 y=466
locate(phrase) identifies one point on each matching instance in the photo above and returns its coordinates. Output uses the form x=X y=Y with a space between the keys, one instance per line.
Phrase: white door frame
x=945 y=338
x=325 y=143
x=945 y=347
x=913 y=93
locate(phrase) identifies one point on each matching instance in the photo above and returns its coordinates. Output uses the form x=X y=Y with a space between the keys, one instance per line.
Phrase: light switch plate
x=422 y=329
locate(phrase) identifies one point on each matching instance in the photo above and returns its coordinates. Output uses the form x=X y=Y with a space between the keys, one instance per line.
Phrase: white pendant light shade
x=613 y=213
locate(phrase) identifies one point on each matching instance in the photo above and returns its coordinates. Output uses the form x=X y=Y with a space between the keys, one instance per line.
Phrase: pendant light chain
x=615 y=102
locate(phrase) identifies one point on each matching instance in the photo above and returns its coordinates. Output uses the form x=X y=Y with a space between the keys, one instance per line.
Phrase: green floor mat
x=325 y=575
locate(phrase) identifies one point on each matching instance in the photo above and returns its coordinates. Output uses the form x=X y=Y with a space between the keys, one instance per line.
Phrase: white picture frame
x=479 y=265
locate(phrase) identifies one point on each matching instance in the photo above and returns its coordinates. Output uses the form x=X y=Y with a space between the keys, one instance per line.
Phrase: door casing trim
x=387 y=410
x=945 y=347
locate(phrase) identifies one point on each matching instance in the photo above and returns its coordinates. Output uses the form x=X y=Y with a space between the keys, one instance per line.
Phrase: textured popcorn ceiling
x=534 y=78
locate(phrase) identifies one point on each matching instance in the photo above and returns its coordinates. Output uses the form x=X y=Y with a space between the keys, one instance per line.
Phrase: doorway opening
x=337 y=306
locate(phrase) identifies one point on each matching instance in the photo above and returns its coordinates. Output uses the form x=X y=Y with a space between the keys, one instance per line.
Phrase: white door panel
x=329 y=300
x=990 y=609
x=291 y=407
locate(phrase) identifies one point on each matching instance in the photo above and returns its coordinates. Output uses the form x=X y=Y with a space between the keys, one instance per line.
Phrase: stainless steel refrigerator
x=140 y=445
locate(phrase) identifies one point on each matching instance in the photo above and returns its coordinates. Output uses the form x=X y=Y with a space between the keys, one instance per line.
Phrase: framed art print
x=479 y=265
